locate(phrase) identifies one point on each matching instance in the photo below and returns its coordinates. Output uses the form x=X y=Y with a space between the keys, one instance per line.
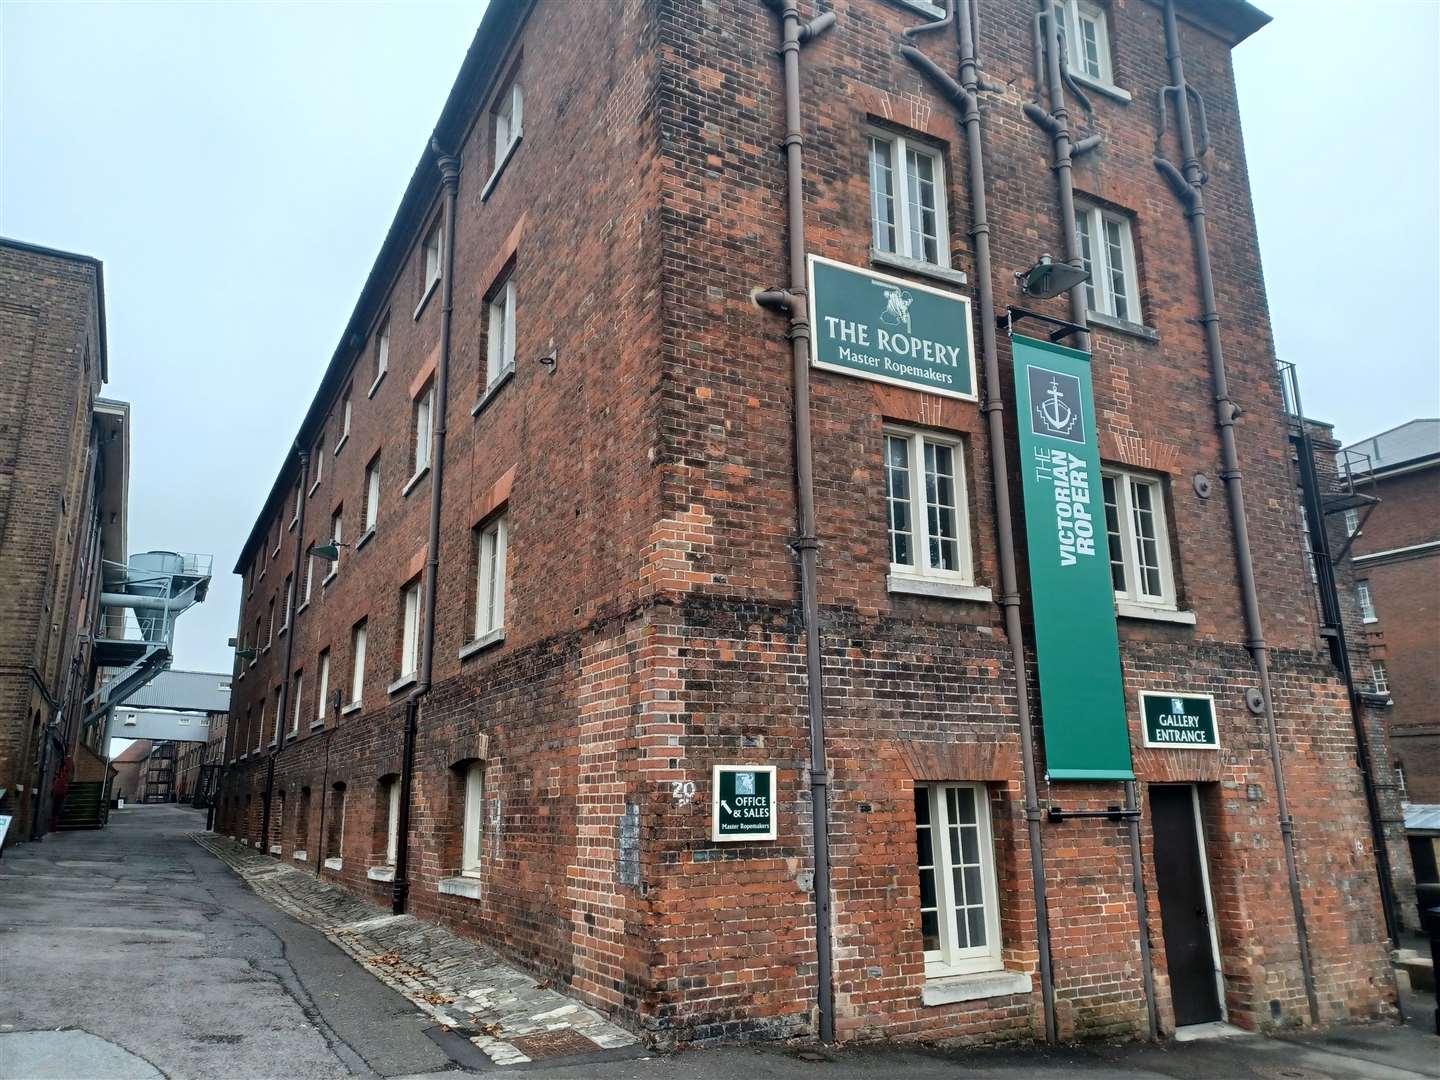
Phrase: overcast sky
x=236 y=167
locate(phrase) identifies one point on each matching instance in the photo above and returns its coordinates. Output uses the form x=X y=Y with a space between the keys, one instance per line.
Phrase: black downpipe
x=1188 y=187
x=450 y=184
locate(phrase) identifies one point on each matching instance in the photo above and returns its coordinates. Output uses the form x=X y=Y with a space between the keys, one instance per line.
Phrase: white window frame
x=950 y=958
x=473 y=823
x=1367 y=600
x=260 y=728
x=1129 y=543
x=1379 y=677
x=424 y=427
x=324 y=688
x=337 y=527
x=298 y=683
x=410 y=630
x=358 y=635
x=382 y=352
x=509 y=114
x=270 y=626
x=1352 y=521
x=279 y=717
x=309 y=576
x=1090 y=222
x=919 y=508
x=289 y=601
x=434 y=241
x=344 y=423
x=500 y=339
x=900 y=146
x=338 y=815
x=318 y=458
x=372 y=494
x=1307 y=541
x=1074 y=13
x=392 y=826
x=295 y=517
x=491 y=551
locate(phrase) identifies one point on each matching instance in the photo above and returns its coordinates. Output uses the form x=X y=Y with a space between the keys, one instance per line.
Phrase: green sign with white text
x=742 y=802
x=1177 y=721
x=1077 y=647
x=890 y=330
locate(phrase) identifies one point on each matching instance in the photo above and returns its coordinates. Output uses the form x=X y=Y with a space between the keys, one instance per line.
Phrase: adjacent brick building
x=1396 y=557
x=63 y=474
x=617 y=607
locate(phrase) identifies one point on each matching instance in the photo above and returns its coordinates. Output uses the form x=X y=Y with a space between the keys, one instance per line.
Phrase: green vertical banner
x=1077 y=648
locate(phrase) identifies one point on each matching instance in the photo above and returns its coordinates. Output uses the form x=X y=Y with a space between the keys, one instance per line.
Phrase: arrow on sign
x=726 y=805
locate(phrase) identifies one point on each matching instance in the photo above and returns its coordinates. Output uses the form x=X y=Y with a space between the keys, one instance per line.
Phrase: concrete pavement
x=134 y=953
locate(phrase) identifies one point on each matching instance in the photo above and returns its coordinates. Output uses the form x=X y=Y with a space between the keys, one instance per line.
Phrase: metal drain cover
x=559 y=1043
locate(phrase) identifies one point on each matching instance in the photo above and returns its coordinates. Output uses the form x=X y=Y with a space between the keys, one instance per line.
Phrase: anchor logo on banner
x=1057 y=416
x=1056 y=405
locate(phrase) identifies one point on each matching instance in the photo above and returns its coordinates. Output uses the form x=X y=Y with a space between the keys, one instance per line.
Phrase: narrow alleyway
x=136 y=953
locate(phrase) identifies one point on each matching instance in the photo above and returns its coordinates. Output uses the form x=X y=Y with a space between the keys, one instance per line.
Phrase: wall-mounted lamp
x=1048 y=278
x=329 y=552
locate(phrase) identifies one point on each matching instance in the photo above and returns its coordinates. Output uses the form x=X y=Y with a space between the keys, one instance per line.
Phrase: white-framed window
x=295 y=515
x=410 y=630
x=907 y=198
x=335 y=824
x=927 y=507
x=309 y=575
x=260 y=728
x=382 y=351
x=1352 y=521
x=270 y=623
x=432 y=258
x=372 y=493
x=508 y=114
x=424 y=414
x=392 y=823
x=357 y=662
x=1087 y=39
x=279 y=719
x=324 y=693
x=318 y=460
x=289 y=599
x=490 y=576
x=959 y=909
x=337 y=527
x=1401 y=790
x=500 y=340
x=1307 y=541
x=344 y=422
x=473 y=826
x=297 y=686
x=1138 y=538
x=1107 y=251
x=1380 y=677
x=1367 y=602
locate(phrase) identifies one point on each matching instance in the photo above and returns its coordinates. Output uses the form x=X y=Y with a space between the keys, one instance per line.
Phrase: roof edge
x=91 y=260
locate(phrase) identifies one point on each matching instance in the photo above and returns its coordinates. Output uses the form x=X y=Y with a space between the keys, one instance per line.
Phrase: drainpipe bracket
x=805 y=543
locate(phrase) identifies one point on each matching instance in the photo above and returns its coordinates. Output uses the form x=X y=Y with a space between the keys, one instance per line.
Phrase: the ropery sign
x=742 y=802
x=1176 y=721
x=884 y=328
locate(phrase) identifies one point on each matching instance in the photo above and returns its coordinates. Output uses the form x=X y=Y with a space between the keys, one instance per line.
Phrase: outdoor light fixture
x=1047 y=278
x=329 y=552
x=245 y=654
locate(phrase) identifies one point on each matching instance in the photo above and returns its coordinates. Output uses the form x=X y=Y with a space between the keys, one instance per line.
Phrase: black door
x=1184 y=907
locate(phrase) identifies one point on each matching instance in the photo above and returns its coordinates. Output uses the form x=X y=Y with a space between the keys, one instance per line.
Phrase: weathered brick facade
x=652 y=624
x=52 y=367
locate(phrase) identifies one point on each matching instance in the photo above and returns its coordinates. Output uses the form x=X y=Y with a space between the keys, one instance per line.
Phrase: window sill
x=365 y=538
x=353 y=707
x=917 y=266
x=1122 y=326
x=293 y=522
x=270 y=745
x=429 y=292
x=496 y=385
x=334 y=864
x=1128 y=609
x=376 y=384
x=1370 y=621
x=275 y=849
x=276 y=553
x=1108 y=89
x=945 y=590
x=282 y=631
x=461 y=886
x=316 y=725
x=985 y=984
x=300 y=856
x=381 y=873
x=340 y=445
x=489 y=187
x=301 y=608
x=329 y=578
x=481 y=643
x=313 y=488
x=401 y=683
x=410 y=484
x=254 y=662
x=922 y=6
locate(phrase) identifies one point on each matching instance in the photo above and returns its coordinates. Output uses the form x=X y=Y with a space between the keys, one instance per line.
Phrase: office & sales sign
x=883 y=328
x=742 y=802
x=1178 y=721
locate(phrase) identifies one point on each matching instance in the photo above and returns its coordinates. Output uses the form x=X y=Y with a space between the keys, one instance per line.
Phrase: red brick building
x=63 y=474
x=1396 y=556
x=559 y=332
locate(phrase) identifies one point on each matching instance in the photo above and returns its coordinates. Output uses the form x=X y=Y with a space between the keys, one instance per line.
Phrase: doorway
x=1186 y=911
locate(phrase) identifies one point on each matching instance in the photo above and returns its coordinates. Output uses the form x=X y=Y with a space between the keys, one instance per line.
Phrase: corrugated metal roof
x=197 y=691
x=1422 y=817
x=1411 y=441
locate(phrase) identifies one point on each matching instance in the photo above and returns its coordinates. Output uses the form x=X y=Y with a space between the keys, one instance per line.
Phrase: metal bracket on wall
x=1113 y=813
x=1013 y=315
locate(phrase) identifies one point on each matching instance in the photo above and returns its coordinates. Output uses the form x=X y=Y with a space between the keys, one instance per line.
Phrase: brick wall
x=652 y=625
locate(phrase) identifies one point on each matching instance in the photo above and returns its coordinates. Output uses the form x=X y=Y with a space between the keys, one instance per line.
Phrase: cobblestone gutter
x=463 y=986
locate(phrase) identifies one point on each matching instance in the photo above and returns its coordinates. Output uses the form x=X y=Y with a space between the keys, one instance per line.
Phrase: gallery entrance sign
x=1179 y=721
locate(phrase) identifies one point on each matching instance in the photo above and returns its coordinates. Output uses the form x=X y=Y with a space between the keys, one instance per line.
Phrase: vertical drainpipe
x=1051 y=46
x=1188 y=188
x=964 y=96
x=450 y=183
x=282 y=702
x=794 y=302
